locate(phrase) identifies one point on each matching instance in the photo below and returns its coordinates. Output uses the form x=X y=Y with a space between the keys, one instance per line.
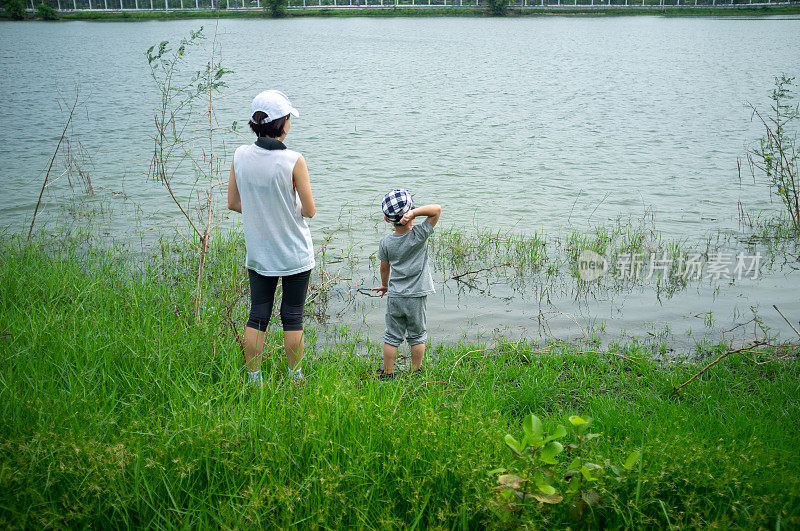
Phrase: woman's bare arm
x=234 y=201
x=302 y=183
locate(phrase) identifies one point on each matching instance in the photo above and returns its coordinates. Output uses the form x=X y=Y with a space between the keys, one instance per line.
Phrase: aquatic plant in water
x=775 y=158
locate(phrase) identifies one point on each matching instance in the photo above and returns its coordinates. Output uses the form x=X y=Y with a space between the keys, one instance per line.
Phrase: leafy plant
x=15 y=9
x=544 y=475
x=497 y=7
x=45 y=12
x=277 y=8
x=174 y=116
x=776 y=156
x=538 y=452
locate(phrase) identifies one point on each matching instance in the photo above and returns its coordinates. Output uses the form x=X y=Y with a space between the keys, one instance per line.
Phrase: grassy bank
x=434 y=12
x=120 y=409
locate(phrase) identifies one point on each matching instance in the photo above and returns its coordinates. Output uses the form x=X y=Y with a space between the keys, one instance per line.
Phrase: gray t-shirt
x=407 y=255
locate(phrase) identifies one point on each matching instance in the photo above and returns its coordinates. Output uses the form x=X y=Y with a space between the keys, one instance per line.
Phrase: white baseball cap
x=274 y=104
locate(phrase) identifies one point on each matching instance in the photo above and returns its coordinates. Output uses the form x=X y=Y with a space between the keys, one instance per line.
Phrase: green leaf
x=514 y=444
x=574 y=484
x=549 y=452
x=575 y=464
x=532 y=427
x=576 y=420
x=587 y=473
x=546 y=488
x=506 y=494
x=632 y=459
x=559 y=432
x=552 y=498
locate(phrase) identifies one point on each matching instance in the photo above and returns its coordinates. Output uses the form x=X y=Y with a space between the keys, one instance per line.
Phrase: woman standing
x=269 y=184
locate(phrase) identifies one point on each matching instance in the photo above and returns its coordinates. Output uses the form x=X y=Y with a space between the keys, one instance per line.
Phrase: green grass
x=435 y=12
x=121 y=410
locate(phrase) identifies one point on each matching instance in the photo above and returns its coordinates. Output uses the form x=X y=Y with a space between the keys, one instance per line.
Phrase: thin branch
x=158 y=172
x=367 y=292
x=50 y=166
x=210 y=204
x=719 y=358
x=504 y=264
x=787 y=320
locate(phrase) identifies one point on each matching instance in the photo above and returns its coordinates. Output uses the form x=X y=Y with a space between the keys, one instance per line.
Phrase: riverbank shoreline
x=428 y=11
x=125 y=407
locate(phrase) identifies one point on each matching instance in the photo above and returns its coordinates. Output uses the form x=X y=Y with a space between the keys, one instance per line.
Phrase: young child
x=405 y=276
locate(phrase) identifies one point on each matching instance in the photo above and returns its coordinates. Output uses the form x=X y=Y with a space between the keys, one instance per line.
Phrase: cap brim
x=294 y=112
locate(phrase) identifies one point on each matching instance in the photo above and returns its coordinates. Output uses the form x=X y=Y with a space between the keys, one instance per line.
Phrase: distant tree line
x=15 y=9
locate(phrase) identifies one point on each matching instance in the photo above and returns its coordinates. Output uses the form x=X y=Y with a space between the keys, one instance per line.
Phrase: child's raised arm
x=432 y=212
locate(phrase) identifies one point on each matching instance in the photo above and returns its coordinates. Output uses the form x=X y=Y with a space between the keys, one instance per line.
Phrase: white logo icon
x=591 y=265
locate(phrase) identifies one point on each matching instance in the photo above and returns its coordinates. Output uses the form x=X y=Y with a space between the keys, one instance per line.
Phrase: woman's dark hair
x=272 y=129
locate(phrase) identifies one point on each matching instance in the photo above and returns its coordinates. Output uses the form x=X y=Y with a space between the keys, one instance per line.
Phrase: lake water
x=544 y=124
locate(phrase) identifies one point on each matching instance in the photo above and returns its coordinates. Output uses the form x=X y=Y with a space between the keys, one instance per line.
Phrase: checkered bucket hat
x=396 y=203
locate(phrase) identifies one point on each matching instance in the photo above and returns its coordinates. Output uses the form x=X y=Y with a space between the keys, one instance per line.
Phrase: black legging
x=262 y=297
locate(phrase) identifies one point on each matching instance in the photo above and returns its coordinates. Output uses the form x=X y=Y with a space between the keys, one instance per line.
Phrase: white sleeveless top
x=276 y=235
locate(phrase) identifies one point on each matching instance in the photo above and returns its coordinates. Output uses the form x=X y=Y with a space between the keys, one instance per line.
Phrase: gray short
x=405 y=319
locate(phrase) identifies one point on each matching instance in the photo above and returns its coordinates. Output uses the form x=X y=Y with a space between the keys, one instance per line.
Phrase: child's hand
x=408 y=216
x=382 y=290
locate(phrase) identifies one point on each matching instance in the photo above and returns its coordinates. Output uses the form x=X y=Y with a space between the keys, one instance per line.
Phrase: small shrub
x=15 y=9
x=776 y=156
x=45 y=12
x=543 y=475
x=497 y=8
x=277 y=8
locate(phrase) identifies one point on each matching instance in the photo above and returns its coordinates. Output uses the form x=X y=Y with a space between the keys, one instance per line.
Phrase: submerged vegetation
x=460 y=254
x=776 y=159
x=773 y=162
x=121 y=409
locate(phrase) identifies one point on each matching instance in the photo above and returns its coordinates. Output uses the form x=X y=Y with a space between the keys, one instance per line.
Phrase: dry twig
x=458 y=277
x=787 y=320
x=50 y=166
x=722 y=356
